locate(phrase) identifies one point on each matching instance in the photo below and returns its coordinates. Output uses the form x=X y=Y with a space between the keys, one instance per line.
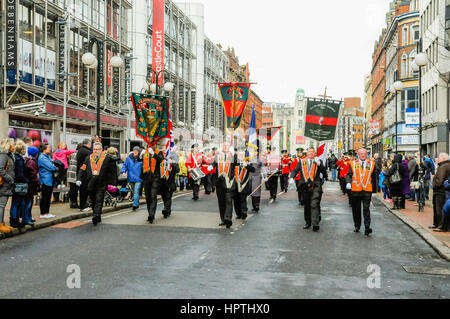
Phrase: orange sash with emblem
x=96 y=166
x=309 y=174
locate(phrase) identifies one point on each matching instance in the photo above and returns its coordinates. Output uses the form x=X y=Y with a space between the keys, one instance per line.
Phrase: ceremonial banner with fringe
x=321 y=119
x=152 y=117
x=234 y=98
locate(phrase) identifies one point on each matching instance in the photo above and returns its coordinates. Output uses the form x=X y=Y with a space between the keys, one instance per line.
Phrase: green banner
x=152 y=117
x=321 y=119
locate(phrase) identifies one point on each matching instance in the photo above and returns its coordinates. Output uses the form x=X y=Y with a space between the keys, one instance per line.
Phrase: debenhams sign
x=11 y=35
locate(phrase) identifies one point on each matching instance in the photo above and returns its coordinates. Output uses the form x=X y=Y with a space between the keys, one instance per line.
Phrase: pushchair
x=124 y=191
x=112 y=196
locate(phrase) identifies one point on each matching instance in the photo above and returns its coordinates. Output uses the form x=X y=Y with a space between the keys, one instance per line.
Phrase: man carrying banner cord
x=360 y=178
x=273 y=163
x=152 y=164
x=195 y=162
x=285 y=162
x=294 y=164
x=312 y=171
x=168 y=171
x=258 y=177
x=98 y=170
x=242 y=176
x=225 y=163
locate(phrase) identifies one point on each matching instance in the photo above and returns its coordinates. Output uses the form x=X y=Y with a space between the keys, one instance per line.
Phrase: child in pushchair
x=112 y=196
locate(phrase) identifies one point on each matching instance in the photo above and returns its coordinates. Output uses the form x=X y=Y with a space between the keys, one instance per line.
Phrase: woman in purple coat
x=406 y=184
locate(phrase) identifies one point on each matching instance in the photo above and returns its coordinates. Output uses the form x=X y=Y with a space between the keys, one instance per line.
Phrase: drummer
x=273 y=164
x=195 y=162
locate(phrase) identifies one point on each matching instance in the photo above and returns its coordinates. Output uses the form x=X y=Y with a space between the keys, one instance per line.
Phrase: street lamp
x=155 y=88
x=397 y=86
x=420 y=61
x=92 y=62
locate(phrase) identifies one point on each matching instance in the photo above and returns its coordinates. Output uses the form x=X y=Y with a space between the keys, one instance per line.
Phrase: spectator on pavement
x=21 y=179
x=72 y=179
x=445 y=227
x=396 y=190
x=442 y=174
x=332 y=160
x=46 y=169
x=406 y=185
x=381 y=179
x=63 y=155
x=378 y=167
x=83 y=152
x=7 y=176
x=429 y=172
x=28 y=142
x=182 y=175
x=33 y=186
x=413 y=172
x=132 y=169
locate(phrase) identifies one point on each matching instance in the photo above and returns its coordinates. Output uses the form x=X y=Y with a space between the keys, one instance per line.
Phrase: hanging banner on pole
x=268 y=132
x=152 y=117
x=374 y=127
x=158 y=41
x=321 y=119
x=234 y=98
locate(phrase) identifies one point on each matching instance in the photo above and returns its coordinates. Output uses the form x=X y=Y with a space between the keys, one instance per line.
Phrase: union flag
x=234 y=98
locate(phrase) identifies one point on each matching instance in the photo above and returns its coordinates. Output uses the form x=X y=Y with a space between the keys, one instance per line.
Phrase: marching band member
x=207 y=180
x=294 y=164
x=168 y=170
x=258 y=177
x=243 y=185
x=195 y=161
x=273 y=166
x=285 y=162
x=360 y=178
x=225 y=163
x=312 y=172
x=98 y=170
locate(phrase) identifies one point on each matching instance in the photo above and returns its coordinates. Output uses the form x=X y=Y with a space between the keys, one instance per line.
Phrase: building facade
x=367 y=111
x=46 y=39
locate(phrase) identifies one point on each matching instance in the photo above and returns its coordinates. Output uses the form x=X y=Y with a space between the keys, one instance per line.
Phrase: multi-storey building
x=283 y=115
x=435 y=38
x=33 y=66
x=367 y=111
x=400 y=45
x=352 y=124
x=267 y=118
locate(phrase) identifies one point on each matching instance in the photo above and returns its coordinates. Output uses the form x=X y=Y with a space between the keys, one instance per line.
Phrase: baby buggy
x=112 y=196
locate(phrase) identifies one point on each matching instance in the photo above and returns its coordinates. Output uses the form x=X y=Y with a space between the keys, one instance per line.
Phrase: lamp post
x=397 y=86
x=92 y=62
x=420 y=61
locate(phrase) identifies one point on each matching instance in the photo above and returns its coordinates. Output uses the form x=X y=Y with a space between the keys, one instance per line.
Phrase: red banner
x=108 y=67
x=158 y=40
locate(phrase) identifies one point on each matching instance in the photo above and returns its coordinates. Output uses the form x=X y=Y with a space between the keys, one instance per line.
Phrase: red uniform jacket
x=206 y=162
x=285 y=161
x=197 y=162
x=345 y=166
x=294 y=164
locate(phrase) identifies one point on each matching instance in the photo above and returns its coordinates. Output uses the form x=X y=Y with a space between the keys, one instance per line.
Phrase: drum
x=197 y=174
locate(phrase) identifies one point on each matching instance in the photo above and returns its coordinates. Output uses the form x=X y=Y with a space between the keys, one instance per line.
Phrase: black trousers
x=166 y=194
x=300 y=196
x=46 y=197
x=152 y=188
x=311 y=199
x=359 y=198
x=225 y=199
x=97 y=196
x=208 y=183
x=240 y=203
x=273 y=186
x=438 y=205
x=73 y=193
x=256 y=202
x=284 y=179
x=342 y=184
x=84 y=194
x=195 y=187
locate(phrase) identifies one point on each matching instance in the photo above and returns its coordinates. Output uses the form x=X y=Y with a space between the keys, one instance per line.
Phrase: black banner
x=62 y=51
x=181 y=104
x=213 y=106
x=101 y=75
x=127 y=80
x=193 y=113
x=116 y=85
x=11 y=35
x=85 y=72
x=321 y=119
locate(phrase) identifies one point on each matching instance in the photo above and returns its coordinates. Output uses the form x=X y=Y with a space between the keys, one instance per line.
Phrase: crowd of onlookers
x=399 y=181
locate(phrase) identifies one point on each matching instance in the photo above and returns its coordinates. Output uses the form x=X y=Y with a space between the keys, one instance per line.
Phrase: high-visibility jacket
x=285 y=165
x=362 y=178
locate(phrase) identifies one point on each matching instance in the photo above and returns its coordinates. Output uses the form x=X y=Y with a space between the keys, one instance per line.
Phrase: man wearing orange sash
x=243 y=185
x=273 y=164
x=225 y=163
x=360 y=180
x=98 y=171
x=168 y=170
x=312 y=171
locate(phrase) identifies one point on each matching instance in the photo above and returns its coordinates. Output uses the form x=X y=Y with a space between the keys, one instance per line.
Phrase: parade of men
x=311 y=171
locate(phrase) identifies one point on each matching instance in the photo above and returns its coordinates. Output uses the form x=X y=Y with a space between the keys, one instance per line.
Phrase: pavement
x=187 y=256
x=419 y=222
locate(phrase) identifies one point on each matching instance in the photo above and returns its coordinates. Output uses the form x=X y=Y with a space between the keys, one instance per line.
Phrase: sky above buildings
x=293 y=44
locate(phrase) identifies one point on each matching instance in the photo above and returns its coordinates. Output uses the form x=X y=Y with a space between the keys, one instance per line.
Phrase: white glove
x=210 y=168
x=78 y=183
x=317 y=160
x=151 y=151
x=321 y=176
x=142 y=154
x=265 y=179
x=349 y=186
x=291 y=181
x=245 y=164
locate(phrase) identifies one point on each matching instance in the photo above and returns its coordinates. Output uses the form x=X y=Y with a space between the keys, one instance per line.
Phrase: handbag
x=21 y=189
x=415 y=185
x=395 y=178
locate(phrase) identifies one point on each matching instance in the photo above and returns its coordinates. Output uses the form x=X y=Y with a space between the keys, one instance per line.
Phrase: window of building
x=116 y=21
x=415 y=33
x=405 y=39
x=404 y=66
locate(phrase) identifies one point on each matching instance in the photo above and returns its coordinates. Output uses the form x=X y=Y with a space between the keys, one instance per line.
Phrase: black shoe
x=228 y=223
x=99 y=218
x=222 y=224
x=150 y=220
x=254 y=210
x=356 y=230
x=432 y=227
x=316 y=228
x=95 y=220
x=74 y=206
x=239 y=217
x=368 y=231
x=307 y=226
x=286 y=190
x=244 y=217
x=135 y=207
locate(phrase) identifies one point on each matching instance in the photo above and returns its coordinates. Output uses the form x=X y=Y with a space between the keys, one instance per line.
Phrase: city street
x=190 y=256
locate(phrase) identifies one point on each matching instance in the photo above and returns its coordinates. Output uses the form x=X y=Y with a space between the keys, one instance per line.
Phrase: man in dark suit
x=169 y=169
x=82 y=154
x=312 y=171
x=98 y=171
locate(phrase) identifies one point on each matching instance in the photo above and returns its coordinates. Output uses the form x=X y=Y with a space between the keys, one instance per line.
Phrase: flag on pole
x=170 y=142
x=234 y=98
x=252 y=138
x=322 y=152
